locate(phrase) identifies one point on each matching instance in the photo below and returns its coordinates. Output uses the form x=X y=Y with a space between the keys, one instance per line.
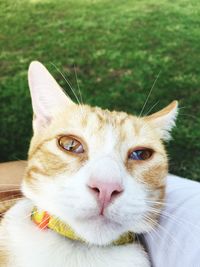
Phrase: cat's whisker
x=29 y=215
x=163 y=204
x=159 y=226
x=157 y=202
x=70 y=86
x=23 y=218
x=81 y=98
x=152 y=228
x=184 y=224
x=56 y=221
x=68 y=83
x=183 y=107
x=154 y=201
x=43 y=221
x=149 y=94
x=181 y=221
x=149 y=111
x=188 y=115
x=155 y=234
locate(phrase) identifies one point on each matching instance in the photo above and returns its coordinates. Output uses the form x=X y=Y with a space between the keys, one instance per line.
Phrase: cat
x=95 y=178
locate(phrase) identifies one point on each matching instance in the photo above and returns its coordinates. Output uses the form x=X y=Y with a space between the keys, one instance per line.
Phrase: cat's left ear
x=164 y=120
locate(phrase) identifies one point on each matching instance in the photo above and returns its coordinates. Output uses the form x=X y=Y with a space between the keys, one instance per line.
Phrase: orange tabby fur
x=97 y=120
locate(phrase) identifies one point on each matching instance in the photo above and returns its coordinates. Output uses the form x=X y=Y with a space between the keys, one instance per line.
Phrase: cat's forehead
x=97 y=118
x=95 y=122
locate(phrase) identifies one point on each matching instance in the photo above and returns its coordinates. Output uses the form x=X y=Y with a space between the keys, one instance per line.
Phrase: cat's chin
x=102 y=230
x=103 y=220
x=98 y=230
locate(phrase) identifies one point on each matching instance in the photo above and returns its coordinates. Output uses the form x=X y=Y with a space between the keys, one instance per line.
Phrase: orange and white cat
x=99 y=174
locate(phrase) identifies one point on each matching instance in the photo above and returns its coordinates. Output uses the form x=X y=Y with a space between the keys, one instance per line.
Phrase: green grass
x=118 y=48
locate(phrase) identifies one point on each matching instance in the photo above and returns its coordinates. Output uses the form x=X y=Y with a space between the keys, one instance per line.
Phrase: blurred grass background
x=118 y=49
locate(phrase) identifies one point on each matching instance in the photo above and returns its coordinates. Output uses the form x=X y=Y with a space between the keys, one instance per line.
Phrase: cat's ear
x=47 y=96
x=164 y=120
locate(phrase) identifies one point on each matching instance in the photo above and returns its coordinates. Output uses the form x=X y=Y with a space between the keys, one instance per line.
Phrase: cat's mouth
x=102 y=219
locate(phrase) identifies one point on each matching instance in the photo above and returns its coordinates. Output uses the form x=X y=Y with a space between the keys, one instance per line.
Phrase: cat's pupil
x=142 y=154
x=70 y=144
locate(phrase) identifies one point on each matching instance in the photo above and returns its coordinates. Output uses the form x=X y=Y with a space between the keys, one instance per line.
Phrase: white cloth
x=176 y=241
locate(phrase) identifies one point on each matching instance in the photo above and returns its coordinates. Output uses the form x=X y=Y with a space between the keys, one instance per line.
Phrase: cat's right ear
x=47 y=96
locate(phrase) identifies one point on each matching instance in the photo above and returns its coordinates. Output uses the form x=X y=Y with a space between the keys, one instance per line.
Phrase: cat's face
x=101 y=172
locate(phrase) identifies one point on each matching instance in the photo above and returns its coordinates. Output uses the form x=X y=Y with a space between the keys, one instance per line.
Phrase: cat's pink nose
x=105 y=192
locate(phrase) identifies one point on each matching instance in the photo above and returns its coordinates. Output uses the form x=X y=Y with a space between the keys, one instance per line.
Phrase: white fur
x=34 y=247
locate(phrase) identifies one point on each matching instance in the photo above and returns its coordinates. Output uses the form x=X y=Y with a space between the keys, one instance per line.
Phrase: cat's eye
x=70 y=144
x=141 y=154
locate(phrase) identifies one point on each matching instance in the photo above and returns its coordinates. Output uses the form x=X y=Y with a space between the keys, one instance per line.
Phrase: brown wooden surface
x=11 y=174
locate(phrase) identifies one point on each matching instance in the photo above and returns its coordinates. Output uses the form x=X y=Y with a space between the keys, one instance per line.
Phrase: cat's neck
x=43 y=220
x=47 y=248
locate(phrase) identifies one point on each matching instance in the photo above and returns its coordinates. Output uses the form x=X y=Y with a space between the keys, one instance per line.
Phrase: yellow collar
x=44 y=221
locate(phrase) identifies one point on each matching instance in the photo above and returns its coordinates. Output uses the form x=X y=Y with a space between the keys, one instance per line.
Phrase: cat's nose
x=105 y=192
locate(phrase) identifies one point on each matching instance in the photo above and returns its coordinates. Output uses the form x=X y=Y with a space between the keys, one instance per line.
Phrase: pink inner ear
x=47 y=96
x=41 y=121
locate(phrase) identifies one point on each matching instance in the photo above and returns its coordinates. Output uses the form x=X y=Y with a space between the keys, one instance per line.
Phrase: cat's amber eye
x=70 y=144
x=141 y=154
